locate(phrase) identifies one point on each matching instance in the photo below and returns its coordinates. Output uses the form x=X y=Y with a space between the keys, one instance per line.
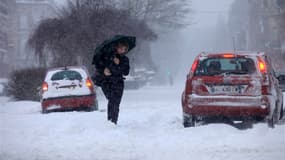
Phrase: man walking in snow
x=110 y=69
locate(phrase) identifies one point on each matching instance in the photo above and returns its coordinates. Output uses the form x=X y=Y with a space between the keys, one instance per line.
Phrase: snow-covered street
x=150 y=128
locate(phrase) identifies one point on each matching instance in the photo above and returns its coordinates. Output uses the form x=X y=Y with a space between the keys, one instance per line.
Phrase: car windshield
x=66 y=75
x=219 y=66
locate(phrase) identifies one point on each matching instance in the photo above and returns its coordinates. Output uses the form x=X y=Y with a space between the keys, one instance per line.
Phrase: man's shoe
x=115 y=122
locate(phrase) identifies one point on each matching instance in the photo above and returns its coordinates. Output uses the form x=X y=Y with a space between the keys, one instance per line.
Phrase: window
x=66 y=75
x=3 y=10
x=265 y=4
x=3 y=40
x=218 y=66
x=24 y=22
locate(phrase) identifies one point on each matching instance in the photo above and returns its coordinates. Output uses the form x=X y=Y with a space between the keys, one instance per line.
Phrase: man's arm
x=123 y=68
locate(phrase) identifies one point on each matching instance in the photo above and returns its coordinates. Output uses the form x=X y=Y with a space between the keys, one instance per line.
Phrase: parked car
x=281 y=79
x=3 y=83
x=131 y=82
x=139 y=78
x=238 y=86
x=68 y=88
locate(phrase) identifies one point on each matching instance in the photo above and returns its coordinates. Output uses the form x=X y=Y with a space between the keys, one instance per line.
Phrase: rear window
x=218 y=66
x=66 y=75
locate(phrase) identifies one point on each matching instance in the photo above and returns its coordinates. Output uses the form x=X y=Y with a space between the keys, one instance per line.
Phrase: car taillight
x=265 y=88
x=45 y=86
x=262 y=66
x=228 y=55
x=89 y=83
x=194 y=65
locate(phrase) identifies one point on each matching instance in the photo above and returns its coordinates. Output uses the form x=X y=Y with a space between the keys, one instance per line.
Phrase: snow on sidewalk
x=150 y=128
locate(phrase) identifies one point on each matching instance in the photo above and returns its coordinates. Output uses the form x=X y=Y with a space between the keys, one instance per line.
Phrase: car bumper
x=68 y=102
x=228 y=106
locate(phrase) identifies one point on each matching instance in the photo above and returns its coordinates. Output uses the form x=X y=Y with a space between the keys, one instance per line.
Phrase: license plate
x=227 y=89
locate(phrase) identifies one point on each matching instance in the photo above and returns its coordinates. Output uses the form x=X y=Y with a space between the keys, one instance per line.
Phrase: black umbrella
x=108 y=46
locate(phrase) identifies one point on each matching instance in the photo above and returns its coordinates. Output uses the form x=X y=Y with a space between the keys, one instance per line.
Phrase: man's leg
x=115 y=100
x=106 y=88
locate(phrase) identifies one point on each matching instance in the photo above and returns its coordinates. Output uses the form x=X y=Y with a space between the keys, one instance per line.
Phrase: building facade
x=18 y=19
x=28 y=15
x=260 y=27
x=3 y=28
x=6 y=14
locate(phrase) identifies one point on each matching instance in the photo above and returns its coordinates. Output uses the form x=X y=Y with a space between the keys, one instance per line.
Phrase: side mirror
x=189 y=75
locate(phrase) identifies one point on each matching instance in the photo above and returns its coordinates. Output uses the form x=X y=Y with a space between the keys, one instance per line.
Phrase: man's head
x=122 y=48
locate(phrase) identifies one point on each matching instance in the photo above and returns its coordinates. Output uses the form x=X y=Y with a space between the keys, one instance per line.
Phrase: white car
x=68 y=88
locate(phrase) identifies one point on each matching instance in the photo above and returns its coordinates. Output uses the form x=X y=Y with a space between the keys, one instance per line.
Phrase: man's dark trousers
x=113 y=90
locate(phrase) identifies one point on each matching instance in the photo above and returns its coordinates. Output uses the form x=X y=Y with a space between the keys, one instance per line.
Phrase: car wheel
x=96 y=106
x=44 y=111
x=270 y=122
x=90 y=109
x=281 y=112
x=188 y=120
x=273 y=119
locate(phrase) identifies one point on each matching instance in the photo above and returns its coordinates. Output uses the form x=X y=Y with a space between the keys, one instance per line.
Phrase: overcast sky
x=197 y=37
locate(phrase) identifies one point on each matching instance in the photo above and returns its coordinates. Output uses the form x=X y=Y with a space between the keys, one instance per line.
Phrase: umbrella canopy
x=107 y=47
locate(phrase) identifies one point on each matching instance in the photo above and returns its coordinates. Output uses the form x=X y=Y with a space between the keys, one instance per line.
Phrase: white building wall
x=28 y=15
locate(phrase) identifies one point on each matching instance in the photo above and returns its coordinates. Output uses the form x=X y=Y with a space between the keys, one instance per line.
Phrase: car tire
x=188 y=120
x=44 y=111
x=90 y=109
x=273 y=119
x=96 y=108
x=281 y=112
x=247 y=124
x=270 y=122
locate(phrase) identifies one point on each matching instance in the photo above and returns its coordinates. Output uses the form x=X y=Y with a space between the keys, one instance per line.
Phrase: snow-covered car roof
x=80 y=69
x=252 y=54
x=241 y=53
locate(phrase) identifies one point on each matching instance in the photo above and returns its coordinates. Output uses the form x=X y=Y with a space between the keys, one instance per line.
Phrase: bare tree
x=71 y=37
x=165 y=13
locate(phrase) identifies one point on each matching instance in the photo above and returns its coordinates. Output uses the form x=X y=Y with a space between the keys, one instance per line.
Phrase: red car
x=68 y=88
x=238 y=86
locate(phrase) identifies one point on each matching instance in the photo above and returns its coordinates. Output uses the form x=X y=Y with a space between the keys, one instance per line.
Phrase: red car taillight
x=189 y=88
x=228 y=55
x=89 y=84
x=265 y=89
x=262 y=66
x=194 y=65
x=45 y=86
